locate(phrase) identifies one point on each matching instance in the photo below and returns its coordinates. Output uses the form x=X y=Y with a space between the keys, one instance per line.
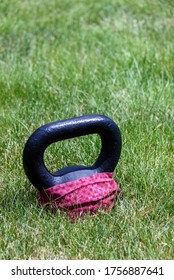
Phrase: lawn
x=61 y=59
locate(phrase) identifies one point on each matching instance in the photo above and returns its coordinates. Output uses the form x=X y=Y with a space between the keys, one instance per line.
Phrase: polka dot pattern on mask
x=82 y=196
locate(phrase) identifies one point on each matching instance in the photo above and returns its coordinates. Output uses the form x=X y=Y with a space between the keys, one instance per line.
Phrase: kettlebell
x=33 y=154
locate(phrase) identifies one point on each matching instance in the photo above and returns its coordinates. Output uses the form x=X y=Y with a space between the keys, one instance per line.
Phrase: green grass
x=60 y=59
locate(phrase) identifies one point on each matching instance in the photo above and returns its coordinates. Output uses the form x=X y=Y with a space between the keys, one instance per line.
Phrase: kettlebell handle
x=53 y=132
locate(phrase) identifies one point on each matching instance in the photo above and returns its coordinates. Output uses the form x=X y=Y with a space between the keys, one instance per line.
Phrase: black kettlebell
x=47 y=134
